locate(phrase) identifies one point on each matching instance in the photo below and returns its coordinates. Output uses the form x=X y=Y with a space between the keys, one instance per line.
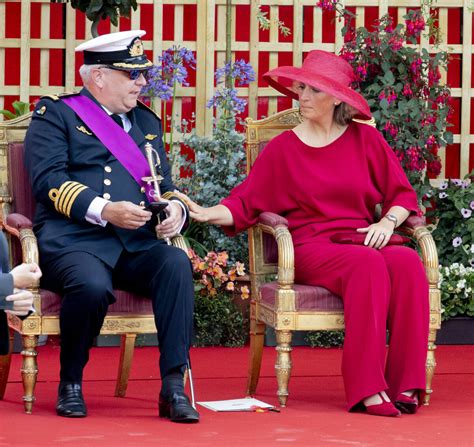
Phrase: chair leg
x=29 y=370
x=5 y=363
x=283 y=364
x=430 y=366
x=127 y=344
x=257 y=332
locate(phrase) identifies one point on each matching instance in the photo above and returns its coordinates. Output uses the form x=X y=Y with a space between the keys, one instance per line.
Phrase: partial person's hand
x=125 y=215
x=378 y=234
x=174 y=218
x=22 y=302
x=25 y=275
x=196 y=212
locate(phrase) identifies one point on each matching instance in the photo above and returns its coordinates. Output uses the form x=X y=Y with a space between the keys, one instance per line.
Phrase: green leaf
x=7 y=114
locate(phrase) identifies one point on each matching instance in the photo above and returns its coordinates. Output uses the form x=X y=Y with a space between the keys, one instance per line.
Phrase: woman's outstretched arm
x=217 y=215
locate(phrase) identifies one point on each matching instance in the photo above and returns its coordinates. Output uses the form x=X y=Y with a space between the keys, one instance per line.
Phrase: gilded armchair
x=129 y=316
x=286 y=306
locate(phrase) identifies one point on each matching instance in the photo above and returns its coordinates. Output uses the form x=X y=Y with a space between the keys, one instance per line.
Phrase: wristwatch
x=392 y=218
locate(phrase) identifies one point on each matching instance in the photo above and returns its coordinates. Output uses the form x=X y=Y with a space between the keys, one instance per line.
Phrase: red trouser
x=381 y=289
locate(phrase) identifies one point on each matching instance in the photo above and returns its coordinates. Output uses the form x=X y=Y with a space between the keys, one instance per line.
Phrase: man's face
x=119 y=93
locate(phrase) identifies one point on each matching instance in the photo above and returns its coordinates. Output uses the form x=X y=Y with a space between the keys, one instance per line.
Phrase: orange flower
x=230 y=286
x=245 y=292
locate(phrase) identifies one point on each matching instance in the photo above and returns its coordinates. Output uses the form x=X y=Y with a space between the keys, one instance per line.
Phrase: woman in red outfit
x=326 y=176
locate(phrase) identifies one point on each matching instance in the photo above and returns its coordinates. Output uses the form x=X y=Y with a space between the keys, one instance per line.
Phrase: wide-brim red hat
x=324 y=71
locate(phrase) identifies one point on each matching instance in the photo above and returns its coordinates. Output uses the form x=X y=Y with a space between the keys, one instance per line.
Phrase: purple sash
x=113 y=137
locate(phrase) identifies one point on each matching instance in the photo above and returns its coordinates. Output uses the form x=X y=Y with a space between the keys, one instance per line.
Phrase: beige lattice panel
x=210 y=47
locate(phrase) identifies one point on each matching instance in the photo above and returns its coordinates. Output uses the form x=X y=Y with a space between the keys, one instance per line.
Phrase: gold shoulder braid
x=64 y=197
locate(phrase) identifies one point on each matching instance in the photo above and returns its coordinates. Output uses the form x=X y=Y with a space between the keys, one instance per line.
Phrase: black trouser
x=163 y=272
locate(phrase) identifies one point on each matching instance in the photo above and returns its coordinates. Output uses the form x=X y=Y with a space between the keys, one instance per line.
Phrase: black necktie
x=117 y=119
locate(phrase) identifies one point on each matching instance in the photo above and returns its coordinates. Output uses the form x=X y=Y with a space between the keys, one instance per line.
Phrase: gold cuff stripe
x=73 y=198
x=170 y=195
x=66 y=195
x=64 y=188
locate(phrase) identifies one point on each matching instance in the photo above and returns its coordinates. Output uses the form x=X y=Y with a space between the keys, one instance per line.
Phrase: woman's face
x=314 y=104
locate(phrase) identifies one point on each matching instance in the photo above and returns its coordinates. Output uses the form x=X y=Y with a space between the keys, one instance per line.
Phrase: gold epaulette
x=142 y=105
x=170 y=195
x=59 y=95
x=370 y=122
x=64 y=197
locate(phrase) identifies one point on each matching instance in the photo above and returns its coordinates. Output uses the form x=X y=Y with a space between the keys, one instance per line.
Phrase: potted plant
x=218 y=321
x=453 y=232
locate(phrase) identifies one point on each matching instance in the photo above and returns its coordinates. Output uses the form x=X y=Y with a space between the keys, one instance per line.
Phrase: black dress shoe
x=70 y=401
x=177 y=408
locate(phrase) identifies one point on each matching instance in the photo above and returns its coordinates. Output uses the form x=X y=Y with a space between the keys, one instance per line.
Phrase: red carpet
x=315 y=416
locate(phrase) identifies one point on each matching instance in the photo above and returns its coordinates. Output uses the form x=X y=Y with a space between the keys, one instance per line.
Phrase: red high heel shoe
x=407 y=404
x=386 y=408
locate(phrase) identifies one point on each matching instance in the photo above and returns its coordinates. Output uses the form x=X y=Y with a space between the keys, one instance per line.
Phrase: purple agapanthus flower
x=172 y=69
x=241 y=72
x=227 y=99
x=457 y=241
x=466 y=213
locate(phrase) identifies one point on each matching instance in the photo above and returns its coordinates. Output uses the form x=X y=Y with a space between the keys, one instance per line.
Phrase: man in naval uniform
x=85 y=156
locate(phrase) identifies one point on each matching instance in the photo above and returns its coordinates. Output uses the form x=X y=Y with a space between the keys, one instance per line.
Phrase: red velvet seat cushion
x=307 y=297
x=126 y=303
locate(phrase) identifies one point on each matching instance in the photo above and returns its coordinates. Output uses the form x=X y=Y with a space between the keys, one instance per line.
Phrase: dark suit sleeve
x=47 y=161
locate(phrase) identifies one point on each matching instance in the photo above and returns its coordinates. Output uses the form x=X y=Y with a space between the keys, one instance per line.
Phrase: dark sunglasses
x=132 y=74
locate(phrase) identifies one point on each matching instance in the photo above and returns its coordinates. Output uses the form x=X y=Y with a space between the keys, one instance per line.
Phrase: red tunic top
x=322 y=190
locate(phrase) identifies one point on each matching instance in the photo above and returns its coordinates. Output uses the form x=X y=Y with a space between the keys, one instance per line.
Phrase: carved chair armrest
x=277 y=226
x=21 y=227
x=415 y=227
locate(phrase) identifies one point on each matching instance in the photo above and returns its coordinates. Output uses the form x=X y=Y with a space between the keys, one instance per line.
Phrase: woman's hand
x=25 y=275
x=196 y=212
x=22 y=302
x=378 y=234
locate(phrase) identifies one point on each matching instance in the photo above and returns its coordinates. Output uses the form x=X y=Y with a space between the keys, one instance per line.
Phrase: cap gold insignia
x=150 y=136
x=137 y=48
x=83 y=130
x=41 y=111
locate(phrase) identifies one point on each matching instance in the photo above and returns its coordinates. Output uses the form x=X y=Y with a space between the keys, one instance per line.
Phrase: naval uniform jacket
x=69 y=167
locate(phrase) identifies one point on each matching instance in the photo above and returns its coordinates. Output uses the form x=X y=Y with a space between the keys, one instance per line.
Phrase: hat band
x=115 y=57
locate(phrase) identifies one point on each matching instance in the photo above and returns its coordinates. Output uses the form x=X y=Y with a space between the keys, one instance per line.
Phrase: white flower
x=457 y=241
x=443 y=195
x=466 y=213
x=461 y=284
x=444 y=185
